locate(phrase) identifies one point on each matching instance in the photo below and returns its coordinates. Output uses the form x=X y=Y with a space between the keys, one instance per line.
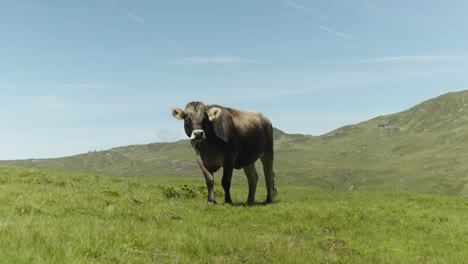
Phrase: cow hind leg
x=252 y=178
x=226 y=182
x=267 y=162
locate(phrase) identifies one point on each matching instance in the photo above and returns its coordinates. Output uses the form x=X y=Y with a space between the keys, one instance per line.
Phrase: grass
x=57 y=217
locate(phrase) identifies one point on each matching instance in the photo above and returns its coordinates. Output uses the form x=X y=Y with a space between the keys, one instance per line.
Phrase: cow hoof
x=211 y=203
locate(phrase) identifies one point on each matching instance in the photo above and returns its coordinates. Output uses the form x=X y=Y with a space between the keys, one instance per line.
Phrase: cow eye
x=188 y=121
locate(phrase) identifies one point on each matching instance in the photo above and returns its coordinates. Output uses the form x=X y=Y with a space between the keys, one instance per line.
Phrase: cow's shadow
x=245 y=204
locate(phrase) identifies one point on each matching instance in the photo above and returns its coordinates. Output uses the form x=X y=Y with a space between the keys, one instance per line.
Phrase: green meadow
x=51 y=216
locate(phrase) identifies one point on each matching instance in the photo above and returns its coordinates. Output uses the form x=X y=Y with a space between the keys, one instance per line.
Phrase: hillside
x=422 y=149
x=157 y=159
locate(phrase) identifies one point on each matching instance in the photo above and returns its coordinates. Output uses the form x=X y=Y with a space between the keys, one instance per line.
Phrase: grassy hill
x=62 y=217
x=424 y=150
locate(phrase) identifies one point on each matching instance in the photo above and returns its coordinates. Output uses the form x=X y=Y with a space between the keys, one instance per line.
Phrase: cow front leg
x=211 y=197
x=209 y=181
x=252 y=178
x=226 y=182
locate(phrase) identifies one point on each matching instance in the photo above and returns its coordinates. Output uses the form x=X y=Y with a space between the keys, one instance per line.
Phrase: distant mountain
x=422 y=149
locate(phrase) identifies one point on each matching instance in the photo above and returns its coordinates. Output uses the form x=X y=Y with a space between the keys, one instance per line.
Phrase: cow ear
x=178 y=113
x=219 y=122
x=214 y=113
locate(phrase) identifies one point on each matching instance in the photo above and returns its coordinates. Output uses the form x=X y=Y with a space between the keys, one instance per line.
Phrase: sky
x=79 y=76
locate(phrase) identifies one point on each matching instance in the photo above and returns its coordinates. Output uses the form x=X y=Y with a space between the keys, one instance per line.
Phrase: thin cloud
x=83 y=86
x=166 y=134
x=167 y=41
x=328 y=117
x=369 y=4
x=409 y=58
x=415 y=58
x=49 y=102
x=270 y=94
x=135 y=18
x=212 y=60
x=323 y=28
x=297 y=6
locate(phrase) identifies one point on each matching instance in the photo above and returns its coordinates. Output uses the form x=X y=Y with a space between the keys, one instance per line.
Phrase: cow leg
x=211 y=196
x=252 y=178
x=226 y=182
x=267 y=162
x=209 y=181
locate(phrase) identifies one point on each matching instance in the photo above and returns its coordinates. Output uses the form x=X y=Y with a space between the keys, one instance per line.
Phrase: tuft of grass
x=187 y=192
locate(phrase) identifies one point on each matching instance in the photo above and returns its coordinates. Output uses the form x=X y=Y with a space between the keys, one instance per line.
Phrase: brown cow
x=232 y=139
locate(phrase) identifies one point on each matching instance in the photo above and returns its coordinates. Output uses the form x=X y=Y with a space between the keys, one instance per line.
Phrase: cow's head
x=198 y=119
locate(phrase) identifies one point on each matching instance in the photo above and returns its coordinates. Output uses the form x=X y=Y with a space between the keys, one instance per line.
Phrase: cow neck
x=197 y=146
x=202 y=147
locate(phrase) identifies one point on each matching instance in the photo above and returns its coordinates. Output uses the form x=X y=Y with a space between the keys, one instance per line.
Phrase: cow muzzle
x=198 y=135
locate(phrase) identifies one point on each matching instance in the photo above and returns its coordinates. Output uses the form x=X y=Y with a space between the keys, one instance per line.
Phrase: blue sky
x=88 y=75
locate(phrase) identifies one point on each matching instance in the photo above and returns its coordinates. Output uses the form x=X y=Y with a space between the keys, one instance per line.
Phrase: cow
x=232 y=139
